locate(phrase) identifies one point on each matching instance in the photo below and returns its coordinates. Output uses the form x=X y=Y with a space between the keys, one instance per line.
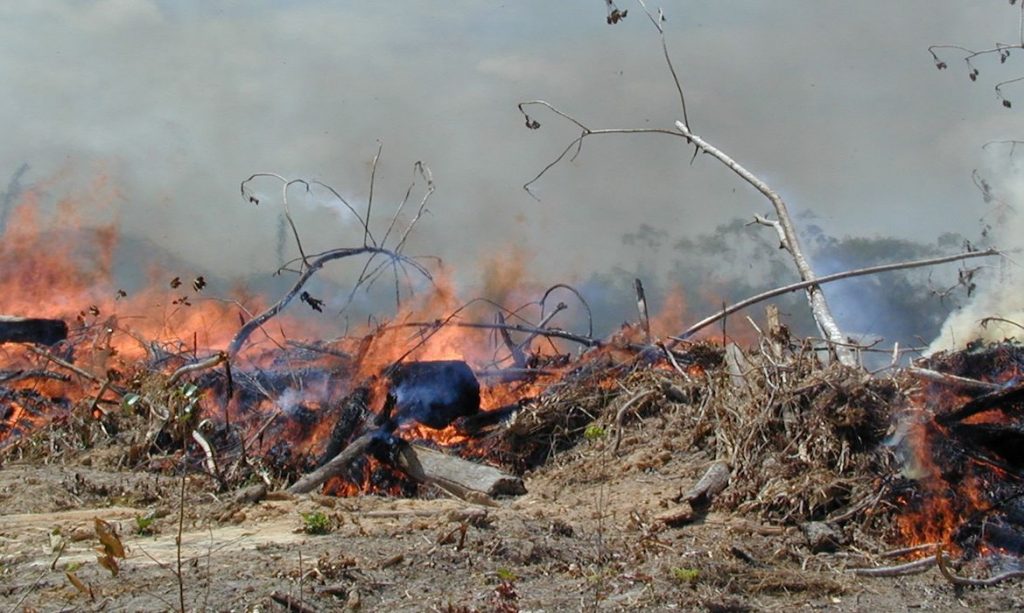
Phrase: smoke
x=179 y=101
x=996 y=310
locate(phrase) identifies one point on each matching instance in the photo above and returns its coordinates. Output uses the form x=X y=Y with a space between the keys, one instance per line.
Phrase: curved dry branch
x=657 y=21
x=311 y=268
x=576 y=143
x=579 y=296
x=250 y=196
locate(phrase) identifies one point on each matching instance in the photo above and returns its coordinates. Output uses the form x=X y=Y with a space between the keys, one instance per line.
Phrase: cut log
x=32 y=330
x=462 y=478
x=715 y=479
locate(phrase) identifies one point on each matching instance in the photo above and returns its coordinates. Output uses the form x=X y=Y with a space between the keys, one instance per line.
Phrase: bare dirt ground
x=583 y=538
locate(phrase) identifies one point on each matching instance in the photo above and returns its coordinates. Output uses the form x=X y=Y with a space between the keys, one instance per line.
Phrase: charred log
x=32 y=330
x=432 y=393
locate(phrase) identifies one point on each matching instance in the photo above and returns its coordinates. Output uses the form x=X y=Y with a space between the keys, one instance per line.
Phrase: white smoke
x=996 y=311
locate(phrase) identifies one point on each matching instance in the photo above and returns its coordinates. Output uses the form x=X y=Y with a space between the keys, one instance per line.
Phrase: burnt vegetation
x=541 y=454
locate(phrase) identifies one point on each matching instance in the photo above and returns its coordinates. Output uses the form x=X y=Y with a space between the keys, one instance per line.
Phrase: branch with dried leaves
x=1002 y=50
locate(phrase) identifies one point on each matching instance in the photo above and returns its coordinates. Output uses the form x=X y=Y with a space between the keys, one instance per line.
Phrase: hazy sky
x=160 y=108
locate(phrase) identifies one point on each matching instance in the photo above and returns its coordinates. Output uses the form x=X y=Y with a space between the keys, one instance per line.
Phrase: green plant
x=316 y=522
x=505 y=574
x=144 y=524
x=594 y=432
x=685 y=575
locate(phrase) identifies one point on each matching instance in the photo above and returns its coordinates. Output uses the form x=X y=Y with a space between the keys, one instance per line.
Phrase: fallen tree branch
x=1000 y=396
x=549 y=332
x=65 y=364
x=215 y=360
x=910 y=568
x=953 y=380
x=334 y=466
x=790 y=242
x=9 y=376
x=291 y=603
x=871 y=270
x=956 y=579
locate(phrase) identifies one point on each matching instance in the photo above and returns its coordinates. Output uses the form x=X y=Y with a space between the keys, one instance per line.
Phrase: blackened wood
x=433 y=393
x=984 y=403
x=32 y=330
x=353 y=415
x=335 y=466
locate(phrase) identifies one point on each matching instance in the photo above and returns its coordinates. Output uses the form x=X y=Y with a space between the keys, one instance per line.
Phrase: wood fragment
x=714 y=480
x=821 y=537
x=953 y=380
x=518 y=357
x=910 y=568
x=211 y=458
x=641 y=307
x=470 y=481
x=291 y=603
x=677 y=517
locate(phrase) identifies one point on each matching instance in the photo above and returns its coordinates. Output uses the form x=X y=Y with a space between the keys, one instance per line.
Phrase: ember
x=966 y=468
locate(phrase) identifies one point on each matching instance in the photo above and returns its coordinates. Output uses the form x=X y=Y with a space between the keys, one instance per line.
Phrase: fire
x=963 y=486
x=288 y=398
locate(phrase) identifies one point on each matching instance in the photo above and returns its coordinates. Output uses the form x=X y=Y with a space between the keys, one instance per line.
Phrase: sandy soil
x=584 y=538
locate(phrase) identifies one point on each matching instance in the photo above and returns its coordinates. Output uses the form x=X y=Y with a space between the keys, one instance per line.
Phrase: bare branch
x=819 y=305
x=873 y=270
x=668 y=58
x=311 y=268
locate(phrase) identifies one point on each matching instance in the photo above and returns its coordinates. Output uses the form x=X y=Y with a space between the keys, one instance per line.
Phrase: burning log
x=334 y=466
x=32 y=330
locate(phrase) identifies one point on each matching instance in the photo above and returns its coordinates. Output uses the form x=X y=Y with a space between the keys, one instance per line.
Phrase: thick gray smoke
x=996 y=312
x=150 y=112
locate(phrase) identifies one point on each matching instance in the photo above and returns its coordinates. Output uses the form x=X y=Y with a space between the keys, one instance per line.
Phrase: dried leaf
x=199 y=283
x=79 y=585
x=109 y=563
x=973 y=76
x=175 y=282
x=941 y=65
x=314 y=303
x=1007 y=104
x=108 y=538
